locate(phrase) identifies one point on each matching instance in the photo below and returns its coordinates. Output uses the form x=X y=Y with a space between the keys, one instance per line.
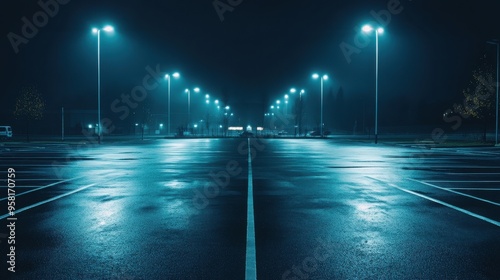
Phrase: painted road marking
x=48 y=200
x=462 y=181
x=455 y=192
x=42 y=179
x=251 y=260
x=476 y=189
x=493 y=222
x=475 y=173
x=44 y=187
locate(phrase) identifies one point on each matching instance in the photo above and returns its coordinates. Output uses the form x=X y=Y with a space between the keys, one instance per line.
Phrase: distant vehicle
x=5 y=131
x=282 y=132
x=246 y=134
x=317 y=133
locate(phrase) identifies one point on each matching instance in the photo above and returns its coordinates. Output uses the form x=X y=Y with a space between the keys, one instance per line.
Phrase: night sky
x=253 y=56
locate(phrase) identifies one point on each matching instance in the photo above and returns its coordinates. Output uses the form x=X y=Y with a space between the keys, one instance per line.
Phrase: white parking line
x=462 y=181
x=493 y=222
x=461 y=167
x=42 y=179
x=251 y=260
x=476 y=189
x=18 y=165
x=475 y=173
x=44 y=187
x=48 y=200
x=455 y=192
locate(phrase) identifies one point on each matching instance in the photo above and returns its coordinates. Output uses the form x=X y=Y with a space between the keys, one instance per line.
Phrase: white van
x=5 y=131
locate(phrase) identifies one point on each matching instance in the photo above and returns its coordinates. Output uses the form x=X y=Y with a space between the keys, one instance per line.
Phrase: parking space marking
x=44 y=187
x=251 y=260
x=476 y=189
x=22 y=165
x=488 y=220
x=455 y=192
x=462 y=181
x=472 y=173
x=49 y=200
x=41 y=179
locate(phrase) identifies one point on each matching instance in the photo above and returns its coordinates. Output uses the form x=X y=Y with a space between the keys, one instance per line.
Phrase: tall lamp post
x=188 y=91
x=97 y=31
x=323 y=78
x=168 y=77
x=299 y=122
x=379 y=30
x=496 y=42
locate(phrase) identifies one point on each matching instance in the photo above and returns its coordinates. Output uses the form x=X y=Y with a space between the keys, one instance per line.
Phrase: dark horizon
x=254 y=56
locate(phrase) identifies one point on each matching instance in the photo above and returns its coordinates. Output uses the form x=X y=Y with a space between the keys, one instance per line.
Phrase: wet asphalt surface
x=323 y=209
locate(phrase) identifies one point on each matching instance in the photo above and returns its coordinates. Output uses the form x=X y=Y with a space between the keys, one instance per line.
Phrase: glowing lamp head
x=367 y=28
x=108 y=28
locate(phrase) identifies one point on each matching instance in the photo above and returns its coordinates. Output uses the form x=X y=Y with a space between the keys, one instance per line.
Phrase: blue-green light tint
x=315 y=76
x=367 y=28
x=108 y=28
x=176 y=75
x=197 y=89
x=293 y=90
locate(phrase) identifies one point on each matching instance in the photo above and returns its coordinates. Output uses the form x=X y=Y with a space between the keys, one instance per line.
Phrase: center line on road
x=493 y=222
x=251 y=261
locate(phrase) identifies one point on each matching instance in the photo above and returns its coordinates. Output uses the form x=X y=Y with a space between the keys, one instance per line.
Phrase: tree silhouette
x=479 y=96
x=30 y=106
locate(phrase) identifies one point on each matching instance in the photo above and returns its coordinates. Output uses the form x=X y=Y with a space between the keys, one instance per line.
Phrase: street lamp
x=168 y=77
x=496 y=42
x=188 y=91
x=379 y=30
x=323 y=78
x=189 y=107
x=298 y=123
x=97 y=31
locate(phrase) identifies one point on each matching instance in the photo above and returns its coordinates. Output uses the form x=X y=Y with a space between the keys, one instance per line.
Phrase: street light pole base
x=376 y=138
